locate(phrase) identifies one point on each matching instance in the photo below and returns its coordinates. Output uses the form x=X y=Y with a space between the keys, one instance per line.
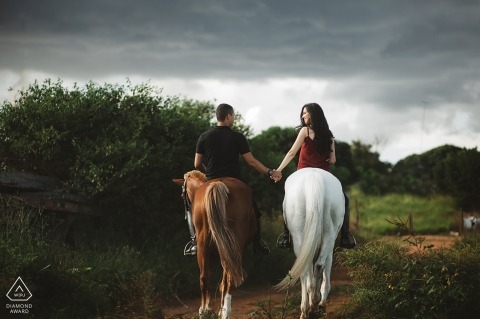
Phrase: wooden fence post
x=410 y=223
x=357 y=215
x=461 y=222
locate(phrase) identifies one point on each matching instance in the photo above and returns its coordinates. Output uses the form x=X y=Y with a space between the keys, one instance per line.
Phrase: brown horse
x=224 y=219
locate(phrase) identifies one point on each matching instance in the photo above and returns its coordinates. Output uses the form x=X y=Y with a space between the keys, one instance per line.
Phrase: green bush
x=68 y=283
x=120 y=145
x=389 y=282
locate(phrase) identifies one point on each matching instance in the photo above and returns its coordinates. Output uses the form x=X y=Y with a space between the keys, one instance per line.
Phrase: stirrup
x=190 y=249
x=284 y=243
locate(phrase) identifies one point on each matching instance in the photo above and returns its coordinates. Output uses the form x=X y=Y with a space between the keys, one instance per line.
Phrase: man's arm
x=257 y=165
x=198 y=162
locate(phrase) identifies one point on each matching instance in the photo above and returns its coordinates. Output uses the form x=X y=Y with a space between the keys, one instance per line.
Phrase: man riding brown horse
x=216 y=155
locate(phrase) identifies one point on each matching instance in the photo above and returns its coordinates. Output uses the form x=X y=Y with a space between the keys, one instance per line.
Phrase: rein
x=186 y=200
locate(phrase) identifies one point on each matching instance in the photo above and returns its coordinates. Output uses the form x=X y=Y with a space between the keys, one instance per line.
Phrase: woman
x=317 y=149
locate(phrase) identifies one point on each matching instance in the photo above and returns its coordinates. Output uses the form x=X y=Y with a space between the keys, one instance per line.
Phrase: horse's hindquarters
x=314 y=210
x=223 y=211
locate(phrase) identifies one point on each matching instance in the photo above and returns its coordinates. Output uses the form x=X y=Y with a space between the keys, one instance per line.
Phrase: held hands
x=276 y=175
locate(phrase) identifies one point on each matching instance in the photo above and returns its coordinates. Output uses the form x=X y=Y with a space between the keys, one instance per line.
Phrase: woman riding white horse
x=313 y=209
x=317 y=149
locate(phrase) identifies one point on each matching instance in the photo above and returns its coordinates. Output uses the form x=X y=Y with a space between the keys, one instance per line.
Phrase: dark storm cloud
x=238 y=39
x=396 y=53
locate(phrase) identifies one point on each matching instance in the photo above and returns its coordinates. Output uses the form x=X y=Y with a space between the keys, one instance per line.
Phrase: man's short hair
x=222 y=111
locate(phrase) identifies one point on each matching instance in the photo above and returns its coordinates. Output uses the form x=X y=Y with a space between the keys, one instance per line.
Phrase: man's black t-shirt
x=221 y=147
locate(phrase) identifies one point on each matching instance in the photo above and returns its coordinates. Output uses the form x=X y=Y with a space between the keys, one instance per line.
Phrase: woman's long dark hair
x=319 y=124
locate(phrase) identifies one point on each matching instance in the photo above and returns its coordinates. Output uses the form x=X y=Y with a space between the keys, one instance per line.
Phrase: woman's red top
x=310 y=157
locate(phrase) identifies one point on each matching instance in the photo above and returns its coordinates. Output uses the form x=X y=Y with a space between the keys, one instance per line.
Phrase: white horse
x=313 y=209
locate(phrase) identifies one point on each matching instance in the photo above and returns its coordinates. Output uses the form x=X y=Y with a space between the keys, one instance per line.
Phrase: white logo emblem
x=19 y=291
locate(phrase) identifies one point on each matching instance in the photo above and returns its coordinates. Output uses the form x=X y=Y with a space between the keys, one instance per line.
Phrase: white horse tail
x=216 y=197
x=312 y=231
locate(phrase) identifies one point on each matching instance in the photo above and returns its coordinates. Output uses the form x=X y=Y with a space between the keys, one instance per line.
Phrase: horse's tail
x=228 y=249
x=312 y=231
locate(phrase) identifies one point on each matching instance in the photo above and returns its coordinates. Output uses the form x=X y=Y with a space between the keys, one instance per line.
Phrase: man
x=217 y=154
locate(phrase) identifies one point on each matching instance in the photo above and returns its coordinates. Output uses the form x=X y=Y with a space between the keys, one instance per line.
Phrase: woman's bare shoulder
x=303 y=131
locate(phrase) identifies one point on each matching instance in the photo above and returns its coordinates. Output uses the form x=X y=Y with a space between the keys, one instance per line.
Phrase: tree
x=463 y=175
x=373 y=173
x=423 y=174
x=344 y=169
x=121 y=145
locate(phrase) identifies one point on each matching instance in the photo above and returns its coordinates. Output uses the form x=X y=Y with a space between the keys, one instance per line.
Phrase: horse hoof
x=321 y=312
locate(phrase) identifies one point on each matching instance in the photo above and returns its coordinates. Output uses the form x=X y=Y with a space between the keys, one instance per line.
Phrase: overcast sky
x=403 y=76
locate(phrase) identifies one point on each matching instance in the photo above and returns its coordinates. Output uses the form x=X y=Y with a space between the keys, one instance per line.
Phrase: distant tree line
x=443 y=170
x=122 y=144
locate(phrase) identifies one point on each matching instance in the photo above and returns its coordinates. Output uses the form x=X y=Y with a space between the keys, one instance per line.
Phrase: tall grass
x=430 y=215
x=68 y=283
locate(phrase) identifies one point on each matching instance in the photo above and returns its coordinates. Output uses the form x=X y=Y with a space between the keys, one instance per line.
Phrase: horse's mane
x=196 y=174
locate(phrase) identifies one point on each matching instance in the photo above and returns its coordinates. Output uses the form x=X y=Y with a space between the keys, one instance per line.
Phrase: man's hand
x=276 y=175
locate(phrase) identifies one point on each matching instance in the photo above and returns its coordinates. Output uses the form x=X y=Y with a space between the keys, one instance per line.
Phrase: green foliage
x=422 y=174
x=269 y=147
x=462 y=172
x=118 y=281
x=119 y=144
x=389 y=282
x=344 y=169
x=432 y=215
x=372 y=172
x=19 y=245
x=289 y=308
x=445 y=170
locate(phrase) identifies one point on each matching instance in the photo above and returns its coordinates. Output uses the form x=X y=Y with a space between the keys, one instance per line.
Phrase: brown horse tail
x=230 y=255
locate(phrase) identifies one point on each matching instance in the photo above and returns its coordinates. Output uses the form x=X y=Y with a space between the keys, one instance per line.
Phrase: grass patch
x=430 y=215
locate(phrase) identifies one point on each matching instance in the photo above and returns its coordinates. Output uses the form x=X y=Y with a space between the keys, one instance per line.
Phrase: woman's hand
x=276 y=175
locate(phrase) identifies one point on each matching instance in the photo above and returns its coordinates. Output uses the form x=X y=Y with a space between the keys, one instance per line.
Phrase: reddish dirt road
x=245 y=300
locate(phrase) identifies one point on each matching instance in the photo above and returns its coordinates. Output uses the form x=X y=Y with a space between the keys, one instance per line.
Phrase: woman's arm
x=295 y=147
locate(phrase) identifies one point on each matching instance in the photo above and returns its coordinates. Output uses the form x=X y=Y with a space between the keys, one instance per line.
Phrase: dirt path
x=245 y=300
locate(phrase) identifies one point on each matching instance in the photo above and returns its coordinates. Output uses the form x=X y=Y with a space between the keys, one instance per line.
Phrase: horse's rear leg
x=206 y=273
x=304 y=307
x=319 y=283
x=311 y=293
x=205 y=291
x=226 y=302
x=325 y=288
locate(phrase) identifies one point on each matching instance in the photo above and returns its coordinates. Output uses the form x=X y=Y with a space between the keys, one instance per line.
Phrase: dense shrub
x=390 y=282
x=121 y=145
x=462 y=176
x=65 y=283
